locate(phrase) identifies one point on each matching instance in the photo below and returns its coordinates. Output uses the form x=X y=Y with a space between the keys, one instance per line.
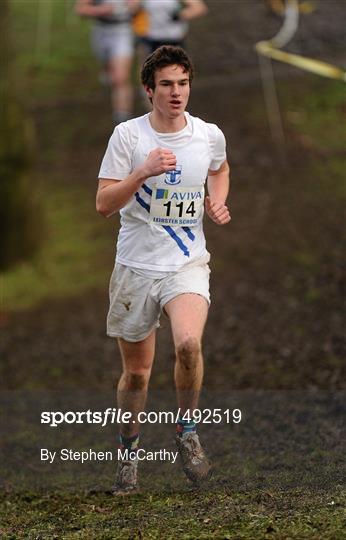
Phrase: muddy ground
x=274 y=337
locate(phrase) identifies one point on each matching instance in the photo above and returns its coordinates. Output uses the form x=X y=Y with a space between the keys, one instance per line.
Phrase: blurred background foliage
x=21 y=221
x=49 y=225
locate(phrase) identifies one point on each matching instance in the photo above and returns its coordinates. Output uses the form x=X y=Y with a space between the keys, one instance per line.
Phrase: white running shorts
x=136 y=302
x=113 y=41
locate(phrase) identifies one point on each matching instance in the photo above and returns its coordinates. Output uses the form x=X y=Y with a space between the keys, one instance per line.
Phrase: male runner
x=154 y=172
x=112 y=42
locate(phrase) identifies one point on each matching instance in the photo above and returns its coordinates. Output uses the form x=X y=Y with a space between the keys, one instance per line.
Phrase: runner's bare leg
x=120 y=77
x=188 y=315
x=132 y=389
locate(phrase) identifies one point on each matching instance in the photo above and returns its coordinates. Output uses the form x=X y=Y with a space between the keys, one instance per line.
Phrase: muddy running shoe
x=195 y=463
x=126 y=478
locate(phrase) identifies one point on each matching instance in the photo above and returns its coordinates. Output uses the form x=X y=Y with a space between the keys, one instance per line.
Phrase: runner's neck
x=167 y=125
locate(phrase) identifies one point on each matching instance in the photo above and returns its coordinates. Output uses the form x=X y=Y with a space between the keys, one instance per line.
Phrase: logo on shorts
x=173 y=177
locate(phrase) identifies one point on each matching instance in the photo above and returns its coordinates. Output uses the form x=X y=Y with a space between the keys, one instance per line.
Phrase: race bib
x=177 y=206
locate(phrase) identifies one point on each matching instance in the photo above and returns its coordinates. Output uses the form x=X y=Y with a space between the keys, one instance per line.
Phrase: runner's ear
x=149 y=91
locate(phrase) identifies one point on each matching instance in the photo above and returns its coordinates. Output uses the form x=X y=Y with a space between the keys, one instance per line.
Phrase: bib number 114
x=190 y=210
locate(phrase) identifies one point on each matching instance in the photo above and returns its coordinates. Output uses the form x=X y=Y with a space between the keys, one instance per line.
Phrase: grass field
x=72 y=237
x=220 y=514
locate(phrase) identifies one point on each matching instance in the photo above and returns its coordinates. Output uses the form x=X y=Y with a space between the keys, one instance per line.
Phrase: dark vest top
x=114 y=19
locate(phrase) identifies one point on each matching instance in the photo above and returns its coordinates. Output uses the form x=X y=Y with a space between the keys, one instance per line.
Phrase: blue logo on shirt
x=173 y=177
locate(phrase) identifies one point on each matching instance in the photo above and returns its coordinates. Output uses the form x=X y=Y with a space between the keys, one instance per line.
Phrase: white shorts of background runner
x=113 y=41
x=137 y=301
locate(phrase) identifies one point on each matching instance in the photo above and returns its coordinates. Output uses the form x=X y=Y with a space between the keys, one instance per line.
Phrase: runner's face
x=171 y=93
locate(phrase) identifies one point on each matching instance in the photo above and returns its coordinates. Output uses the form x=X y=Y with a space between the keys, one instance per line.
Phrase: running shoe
x=195 y=463
x=126 y=478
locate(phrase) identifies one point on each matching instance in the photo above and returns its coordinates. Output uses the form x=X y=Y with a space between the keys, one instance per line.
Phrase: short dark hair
x=166 y=55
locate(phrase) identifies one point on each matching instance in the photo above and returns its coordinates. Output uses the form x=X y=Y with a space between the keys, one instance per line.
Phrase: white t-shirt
x=161 y=25
x=161 y=226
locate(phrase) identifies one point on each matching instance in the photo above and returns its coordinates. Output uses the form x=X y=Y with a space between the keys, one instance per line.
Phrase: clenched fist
x=217 y=211
x=159 y=161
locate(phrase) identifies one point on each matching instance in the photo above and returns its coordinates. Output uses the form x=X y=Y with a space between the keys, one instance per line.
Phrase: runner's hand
x=217 y=212
x=159 y=161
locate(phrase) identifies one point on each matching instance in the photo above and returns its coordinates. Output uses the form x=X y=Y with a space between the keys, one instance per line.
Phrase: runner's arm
x=85 y=8
x=113 y=194
x=218 y=188
x=134 y=6
x=192 y=9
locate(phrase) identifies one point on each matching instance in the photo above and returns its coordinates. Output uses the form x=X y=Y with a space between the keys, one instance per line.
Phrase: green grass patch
x=222 y=514
x=75 y=256
x=315 y=111
x=312 y=110
x=52 y=50
x=51 y=43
